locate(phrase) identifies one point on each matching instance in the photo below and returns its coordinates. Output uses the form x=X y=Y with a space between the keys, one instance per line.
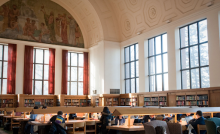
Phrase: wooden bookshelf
x=8 y=101
x=37 y=100
x=155 y=100
x=111 y=99
x=128 y=100
x=75 y=100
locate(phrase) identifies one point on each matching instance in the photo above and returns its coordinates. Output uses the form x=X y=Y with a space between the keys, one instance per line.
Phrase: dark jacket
x=56 y=129
x=72 y=116
x=146 y=117
x=54 y=119
x=195 y=122
x=121 y=121
x=106 y=115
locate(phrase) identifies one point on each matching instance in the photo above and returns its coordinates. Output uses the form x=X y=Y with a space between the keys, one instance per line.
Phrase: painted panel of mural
x=39 y=21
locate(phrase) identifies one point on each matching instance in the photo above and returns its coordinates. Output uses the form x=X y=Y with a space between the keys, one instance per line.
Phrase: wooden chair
x=200 y=127
x=91 y=124
x=79 y=125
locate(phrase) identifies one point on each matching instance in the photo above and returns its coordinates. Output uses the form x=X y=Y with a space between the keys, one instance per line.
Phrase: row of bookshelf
x=77 y=102
x=162 y=98
x=192 y=97
x=6 y=100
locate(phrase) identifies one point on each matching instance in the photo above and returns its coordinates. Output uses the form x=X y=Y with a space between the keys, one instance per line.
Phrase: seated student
x=148 y=118
x=44 y=107
x=168 y=118
x=57 y=120
x=33 y=116
x=106 y=116
x=72 y=116
x=199 y=121
x=119 y=119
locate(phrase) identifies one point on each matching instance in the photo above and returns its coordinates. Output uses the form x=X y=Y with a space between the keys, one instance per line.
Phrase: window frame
x=155 y=67
x=34 y=66
x=2 y=69
x=70 y=66
x=188 y=47
x=129 y=62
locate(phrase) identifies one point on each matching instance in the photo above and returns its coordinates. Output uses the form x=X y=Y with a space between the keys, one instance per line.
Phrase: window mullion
x=130 y=66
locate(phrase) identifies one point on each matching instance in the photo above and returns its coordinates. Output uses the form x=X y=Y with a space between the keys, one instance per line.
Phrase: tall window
x=75 y=73
x=40 y=71
x=3 y=68
x=131 y=69
x=158 y=63
x=194 y=55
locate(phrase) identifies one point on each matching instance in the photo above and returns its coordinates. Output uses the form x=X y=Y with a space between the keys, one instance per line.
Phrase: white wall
x=211 y=13
x=20 y=61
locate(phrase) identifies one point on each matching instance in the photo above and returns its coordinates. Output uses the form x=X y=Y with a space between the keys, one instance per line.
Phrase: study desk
x=10 y=117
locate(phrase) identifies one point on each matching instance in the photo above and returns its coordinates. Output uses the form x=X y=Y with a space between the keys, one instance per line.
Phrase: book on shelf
x=147 y=103
x=190 y=97
x=162 y=98
x=191 y=103
x=162 y=103
x=202 y=97
x=154 y=99
x=180 y=98
x=180 y=103
x=146 y=98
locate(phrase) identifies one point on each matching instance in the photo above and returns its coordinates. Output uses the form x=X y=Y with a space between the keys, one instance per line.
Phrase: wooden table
x=10 y=117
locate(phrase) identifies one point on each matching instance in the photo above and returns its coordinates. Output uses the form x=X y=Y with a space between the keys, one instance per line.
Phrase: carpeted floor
x=2 y=131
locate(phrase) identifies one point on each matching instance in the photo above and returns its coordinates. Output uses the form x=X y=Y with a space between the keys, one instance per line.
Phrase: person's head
x=106 y=110
x=120 y=116
x=152 y=116
x=35 y=107
x=44 y=107
x=188 y=114
x=199 y=114
x=60 y=113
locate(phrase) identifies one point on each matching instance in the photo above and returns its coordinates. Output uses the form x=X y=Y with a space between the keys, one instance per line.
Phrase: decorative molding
x=127 y=24
x=134 y=5
x=167 y=5
x=185 y=6
x=139 y=18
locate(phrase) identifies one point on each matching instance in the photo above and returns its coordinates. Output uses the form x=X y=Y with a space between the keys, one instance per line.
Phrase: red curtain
x=12 y=58
x=64 y=71
x=86 y=74
x=28 y=70
x=51 y=70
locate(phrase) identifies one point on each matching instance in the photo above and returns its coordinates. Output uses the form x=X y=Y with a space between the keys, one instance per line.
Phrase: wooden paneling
x=171 y=99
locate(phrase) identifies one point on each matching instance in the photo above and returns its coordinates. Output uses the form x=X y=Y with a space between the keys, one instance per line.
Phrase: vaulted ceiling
x=119 y=20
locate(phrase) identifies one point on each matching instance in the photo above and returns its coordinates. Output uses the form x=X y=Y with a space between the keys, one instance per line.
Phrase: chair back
x=79 y=124
x=211 y=127
x=151 y=126
x=200 y=127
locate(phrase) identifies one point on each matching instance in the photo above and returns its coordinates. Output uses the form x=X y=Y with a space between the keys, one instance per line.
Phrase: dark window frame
x=2 y=69
x=129 y=62
x=155 y=67
x=70 y=66
x=188 y=47
x=34 y=66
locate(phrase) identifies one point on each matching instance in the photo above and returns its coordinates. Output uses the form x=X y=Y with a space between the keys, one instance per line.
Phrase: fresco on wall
x=39 y=21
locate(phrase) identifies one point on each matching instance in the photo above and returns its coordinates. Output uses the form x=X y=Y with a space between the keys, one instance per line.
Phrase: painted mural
x=40 y=21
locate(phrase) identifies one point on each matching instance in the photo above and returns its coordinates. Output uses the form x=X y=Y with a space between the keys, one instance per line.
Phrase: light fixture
x=138 y=33
x=169 y=20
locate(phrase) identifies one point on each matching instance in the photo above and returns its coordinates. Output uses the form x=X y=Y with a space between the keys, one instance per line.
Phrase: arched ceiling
x=119 y=20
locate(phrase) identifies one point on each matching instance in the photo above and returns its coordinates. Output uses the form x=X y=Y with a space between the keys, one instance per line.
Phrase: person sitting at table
x=119 y=119
x=72 y=116
x=44 y=107
x=33 y=116
x=168 y=118
x=57 y=121
x=148 y=118
x=106 y=116
x=199 y=121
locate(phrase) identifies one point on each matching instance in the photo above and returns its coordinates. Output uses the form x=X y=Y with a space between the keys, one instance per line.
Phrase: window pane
x=185 y=79
x=137 y=51
x=39 y=56
x=184 y=36
x=5 y=69
x=73 y=59
x=158 y=64
x=132 y=70
x=127 y=70
x=132 y=85
x=38 y=87
x=0 y=70
x=127 y=54
x=38 y=71
x=193 y=34
x=1 y=46
x=164 y=43
x=158 y=45
x=132 y=52
x=73 y=88
x=68 y=74
x=68 y=88
x=137 y=68
x=159 y=82
x=46 y=56
x=69 y=59
x=127 y=82
x=204 y=56
x=5 y=52
x=46 y=72
x=194 y=61
x=165 y=82
x=80 y=77
x=205 y=77
x=137 y=85
x=80 y=88
x=46 y=92
x=81 y=60
x=203 y=31
x=165 y=63
x=152 y=83
x=185 y=58
x=33 y=73
x=195 y=78
x=4 y=86
x=152 y=65
x=73 y=73
x=151 y=47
